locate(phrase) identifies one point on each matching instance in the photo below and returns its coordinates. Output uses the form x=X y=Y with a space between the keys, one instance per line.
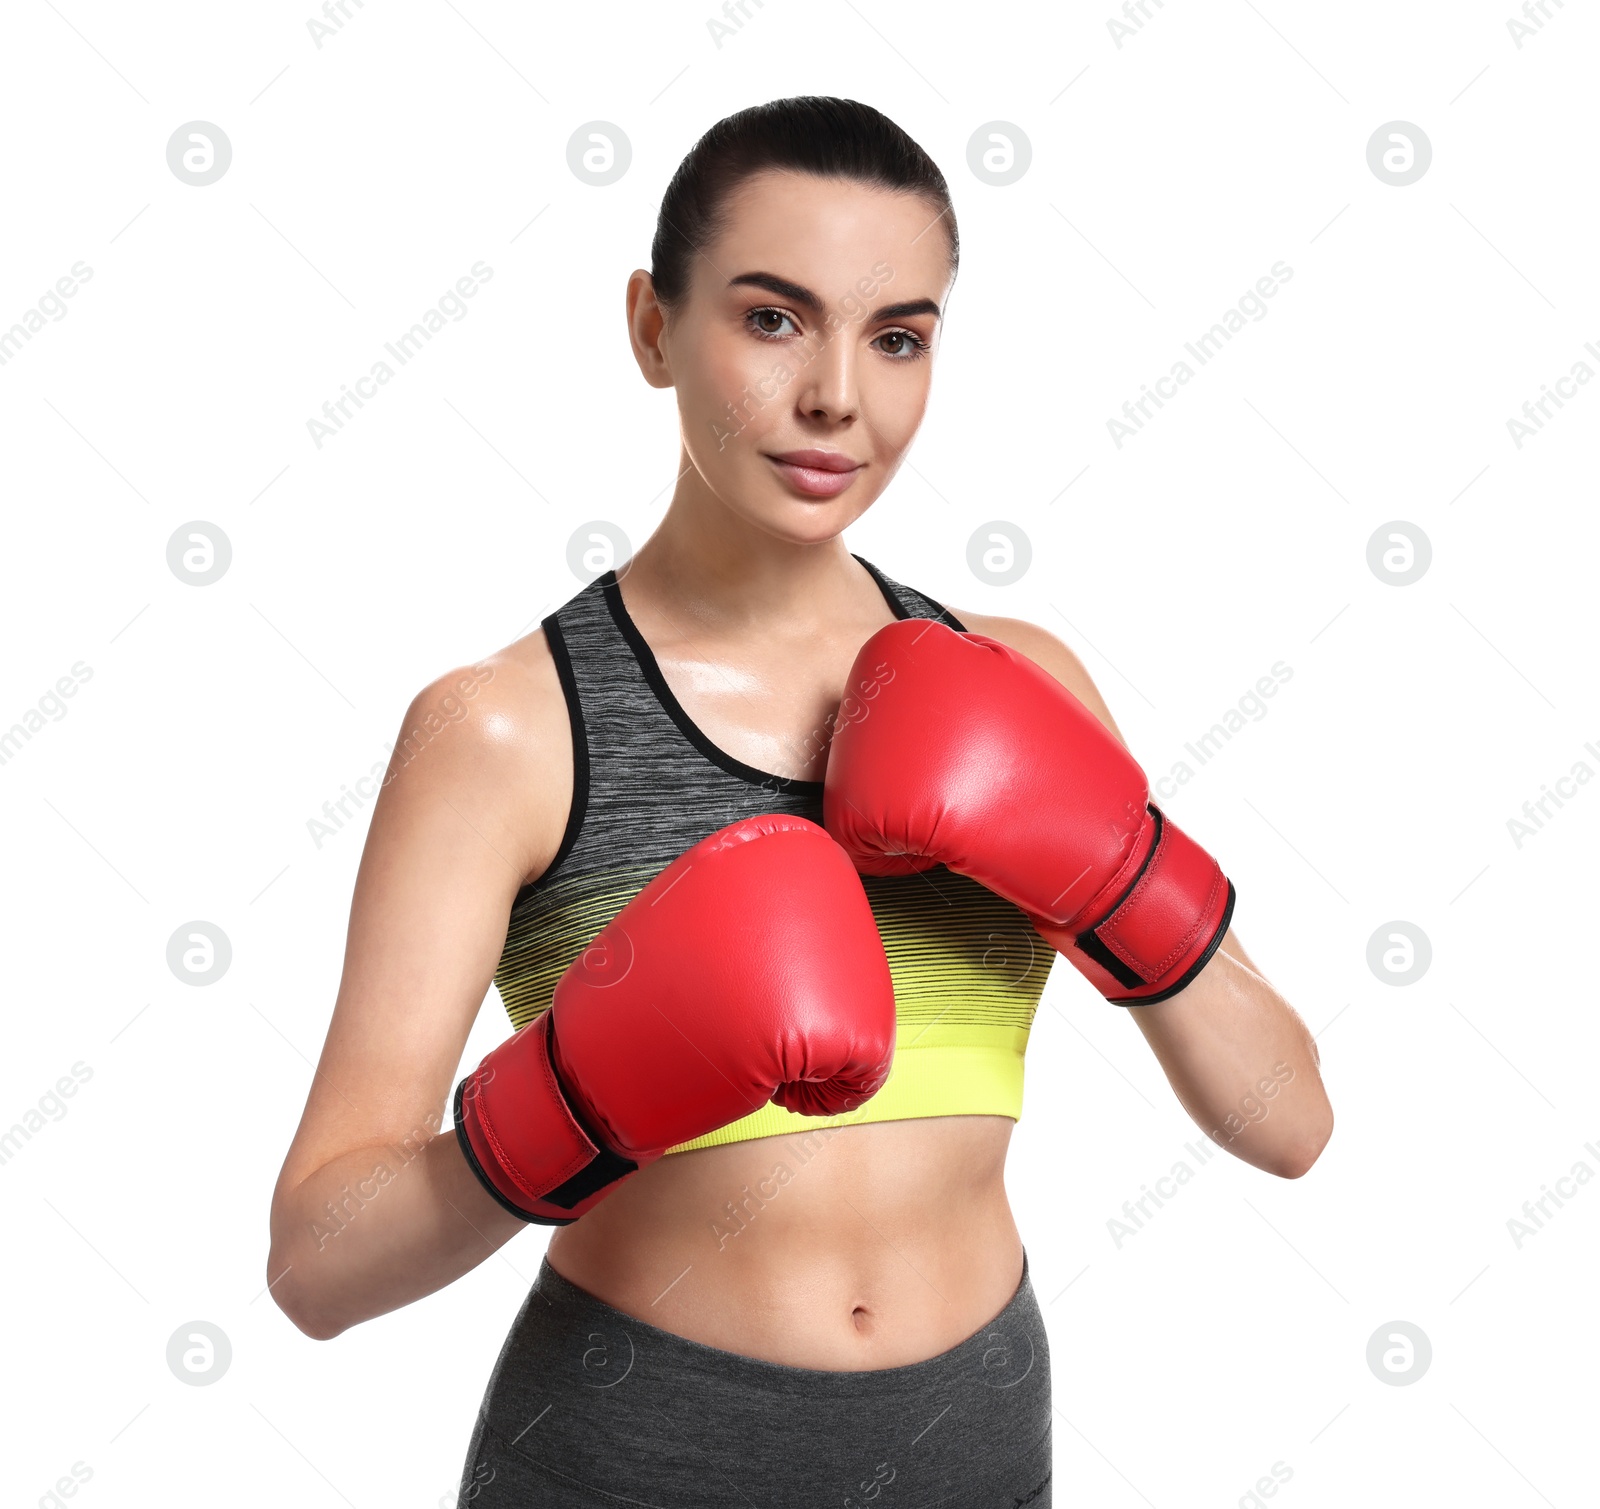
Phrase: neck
x=727 y=572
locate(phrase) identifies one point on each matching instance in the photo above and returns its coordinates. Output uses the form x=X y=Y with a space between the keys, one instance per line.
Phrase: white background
x=1167 y=175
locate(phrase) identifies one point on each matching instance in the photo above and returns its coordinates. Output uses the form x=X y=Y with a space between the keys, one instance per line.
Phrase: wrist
x=1160 y=928
x=522 y=1138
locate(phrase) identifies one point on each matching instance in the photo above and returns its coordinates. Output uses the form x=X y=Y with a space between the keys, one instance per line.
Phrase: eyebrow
x=798 y=293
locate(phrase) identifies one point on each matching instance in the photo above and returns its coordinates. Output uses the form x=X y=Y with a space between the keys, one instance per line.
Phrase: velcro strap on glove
x=517 y=1128
x=1165 y=927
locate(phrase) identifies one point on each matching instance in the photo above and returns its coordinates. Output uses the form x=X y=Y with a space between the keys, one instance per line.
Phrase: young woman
x=785 y=1308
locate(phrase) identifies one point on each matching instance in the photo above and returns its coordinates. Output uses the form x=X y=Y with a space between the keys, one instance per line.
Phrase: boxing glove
x=954 y=748
x=749 y=969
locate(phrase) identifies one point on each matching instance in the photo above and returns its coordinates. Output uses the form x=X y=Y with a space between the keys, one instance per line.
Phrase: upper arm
x=1054 y=654
x=474 y=800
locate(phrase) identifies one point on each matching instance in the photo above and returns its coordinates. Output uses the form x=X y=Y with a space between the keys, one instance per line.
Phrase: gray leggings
x=588 y=1407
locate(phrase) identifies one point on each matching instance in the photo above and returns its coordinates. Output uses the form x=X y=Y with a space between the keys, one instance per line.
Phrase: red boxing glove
x=750 y=969
x=956 y=749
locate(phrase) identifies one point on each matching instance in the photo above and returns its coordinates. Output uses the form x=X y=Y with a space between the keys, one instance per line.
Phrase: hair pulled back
x=817 y=134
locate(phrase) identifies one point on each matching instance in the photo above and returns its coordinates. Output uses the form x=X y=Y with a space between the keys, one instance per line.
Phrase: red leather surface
x=1171 y=913
x=750 y=969
x=961 y=750
x=519 y=1126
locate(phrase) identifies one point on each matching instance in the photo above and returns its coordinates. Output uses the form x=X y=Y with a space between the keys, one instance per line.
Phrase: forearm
x=1243 y=1065
x=378 y=1227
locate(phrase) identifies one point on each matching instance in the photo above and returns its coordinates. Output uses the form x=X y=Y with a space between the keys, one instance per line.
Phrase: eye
x=769 y=324
x=757 y=322
x=908 y=347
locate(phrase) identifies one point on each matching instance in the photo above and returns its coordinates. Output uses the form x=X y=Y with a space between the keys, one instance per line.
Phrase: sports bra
x=968 y=967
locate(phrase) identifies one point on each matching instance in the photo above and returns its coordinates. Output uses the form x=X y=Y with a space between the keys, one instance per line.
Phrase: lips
x=817 y=474
x=819 y=461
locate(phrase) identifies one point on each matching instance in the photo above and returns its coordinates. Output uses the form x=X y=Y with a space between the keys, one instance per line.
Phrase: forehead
x=825 y=232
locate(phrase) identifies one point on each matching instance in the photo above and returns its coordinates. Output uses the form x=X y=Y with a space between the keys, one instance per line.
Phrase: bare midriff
x=866 y=1246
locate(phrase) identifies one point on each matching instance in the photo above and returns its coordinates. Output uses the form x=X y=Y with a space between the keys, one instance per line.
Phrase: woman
x=784 y=1309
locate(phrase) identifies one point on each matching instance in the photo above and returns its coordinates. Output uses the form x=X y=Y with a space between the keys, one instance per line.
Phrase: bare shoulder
x=1048 y=650
x=494 y=738
x=474 y=800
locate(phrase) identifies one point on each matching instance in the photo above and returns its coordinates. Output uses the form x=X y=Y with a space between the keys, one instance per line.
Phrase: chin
x=816 y=529
x=762 y=500
x=803 y=523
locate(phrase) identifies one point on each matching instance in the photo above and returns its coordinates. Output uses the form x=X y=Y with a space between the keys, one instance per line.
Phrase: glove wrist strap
x=523 y=1140
x=1162 y=931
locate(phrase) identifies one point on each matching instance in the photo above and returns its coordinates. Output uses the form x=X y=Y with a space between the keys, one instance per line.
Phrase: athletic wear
x=968 y=966
x=748 y=970
x=589 y=1408
x=975 y=756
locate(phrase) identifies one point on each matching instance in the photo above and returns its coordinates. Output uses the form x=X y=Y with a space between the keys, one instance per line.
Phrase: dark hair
x=818 y=134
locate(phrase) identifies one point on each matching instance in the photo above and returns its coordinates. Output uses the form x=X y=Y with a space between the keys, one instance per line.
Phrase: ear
x=646 y=328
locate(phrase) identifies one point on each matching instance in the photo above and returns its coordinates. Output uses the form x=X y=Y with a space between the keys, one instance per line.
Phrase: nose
x=829 y=387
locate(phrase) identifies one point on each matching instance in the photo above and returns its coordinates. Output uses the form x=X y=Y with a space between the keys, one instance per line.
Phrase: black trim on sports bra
x=675 y=709
x=580 y=750
x=650 y=671
x=896 y=606
x=899 y=608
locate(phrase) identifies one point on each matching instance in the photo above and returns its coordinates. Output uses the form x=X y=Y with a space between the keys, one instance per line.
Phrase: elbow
x=1297 y=1162
x=299 y=1301
x=314 y=1326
